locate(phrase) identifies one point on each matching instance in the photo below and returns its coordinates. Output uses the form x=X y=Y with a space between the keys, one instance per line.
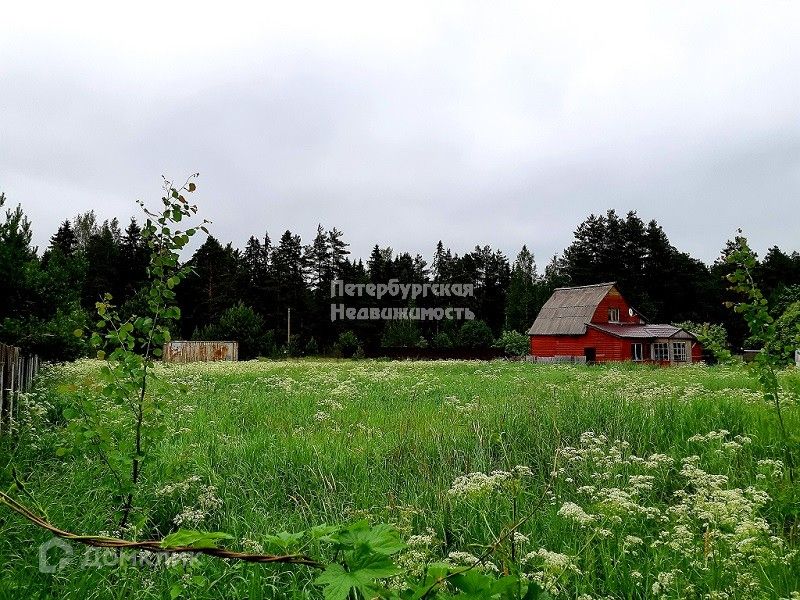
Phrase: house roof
x=569 y=310
x=643 y=331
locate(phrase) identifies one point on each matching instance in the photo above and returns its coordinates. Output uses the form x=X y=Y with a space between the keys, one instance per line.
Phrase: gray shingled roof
x=569 y=310
x=644 y=331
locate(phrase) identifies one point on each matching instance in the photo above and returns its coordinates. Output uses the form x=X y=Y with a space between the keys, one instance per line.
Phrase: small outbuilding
x=594 y=323
x=185 y=351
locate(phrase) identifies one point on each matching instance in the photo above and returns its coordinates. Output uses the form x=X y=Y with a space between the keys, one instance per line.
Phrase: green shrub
x=239 y=323
x=513 y=343
x=51 y=339
x=312 y=347
x=442 y=340
x=713 y=338
x=402 y=333
x=348 y=345
x=475 y=334
x=292 y=348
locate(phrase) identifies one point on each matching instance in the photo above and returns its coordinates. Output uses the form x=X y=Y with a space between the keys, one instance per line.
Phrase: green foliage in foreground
x=641 y=482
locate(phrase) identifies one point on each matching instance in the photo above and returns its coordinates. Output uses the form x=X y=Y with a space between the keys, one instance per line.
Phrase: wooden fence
x=17 y=373
x=559 y=359
x=435 y=353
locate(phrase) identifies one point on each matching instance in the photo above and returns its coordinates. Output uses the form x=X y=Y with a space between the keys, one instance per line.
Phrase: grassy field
x=642 y=482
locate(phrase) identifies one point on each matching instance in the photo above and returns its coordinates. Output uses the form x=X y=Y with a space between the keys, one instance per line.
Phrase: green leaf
x=78 y=333
x=323 y=532
x=535 y=592
x=505 y=586
x=473 y=584
x=435 y=574
x=284 y=539
x=372 y=565
x=338 y=582
x=383 y=539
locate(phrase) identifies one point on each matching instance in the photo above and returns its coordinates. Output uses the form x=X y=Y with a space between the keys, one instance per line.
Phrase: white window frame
x=613 y=315
x=682 y=355
x=656 y=353
x=637 y=356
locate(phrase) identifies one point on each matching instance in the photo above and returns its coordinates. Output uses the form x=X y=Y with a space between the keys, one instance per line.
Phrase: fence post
x=20 y=387
x=20 y=382
x=2 y=395
x=13 y=365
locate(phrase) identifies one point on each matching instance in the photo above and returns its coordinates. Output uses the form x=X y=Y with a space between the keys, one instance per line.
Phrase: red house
x=596 y=324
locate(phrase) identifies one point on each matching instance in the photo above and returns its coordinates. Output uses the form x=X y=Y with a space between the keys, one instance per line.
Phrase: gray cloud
x=465 y=122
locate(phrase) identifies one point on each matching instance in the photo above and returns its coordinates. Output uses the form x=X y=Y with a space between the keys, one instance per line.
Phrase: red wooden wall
x=607 y=346
x=614 y=300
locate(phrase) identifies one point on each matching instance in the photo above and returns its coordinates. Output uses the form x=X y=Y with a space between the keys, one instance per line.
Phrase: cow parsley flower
x=573 y=512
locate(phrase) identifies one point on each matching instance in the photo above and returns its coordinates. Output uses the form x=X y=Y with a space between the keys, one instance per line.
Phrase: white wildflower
x=573 y=512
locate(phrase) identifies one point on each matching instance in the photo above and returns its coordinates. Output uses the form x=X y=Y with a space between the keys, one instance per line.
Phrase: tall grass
x=289 y=445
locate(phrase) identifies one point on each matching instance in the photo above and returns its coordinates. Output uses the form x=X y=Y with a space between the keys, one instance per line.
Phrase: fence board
x=17 y=374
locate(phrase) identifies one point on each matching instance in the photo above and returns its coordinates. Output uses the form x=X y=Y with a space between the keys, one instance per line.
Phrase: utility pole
x=289 y=331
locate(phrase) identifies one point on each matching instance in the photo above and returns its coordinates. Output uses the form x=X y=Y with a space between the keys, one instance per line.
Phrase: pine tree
x=379 y=264
x=134 y=259
x=102 y=254
x=213 y=287
x=16 y=255
x=290 y=270
x=319 y=258
x=64 y=240
x=521 y=295
x=438 y=262
x=338 y=251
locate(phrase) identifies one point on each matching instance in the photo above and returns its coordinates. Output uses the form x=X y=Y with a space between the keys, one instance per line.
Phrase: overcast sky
x=404 y=123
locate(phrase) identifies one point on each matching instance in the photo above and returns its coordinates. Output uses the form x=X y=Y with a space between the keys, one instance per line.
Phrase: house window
x=679 y=351
x=661 y=351
x=636 y=352
x=613 y=315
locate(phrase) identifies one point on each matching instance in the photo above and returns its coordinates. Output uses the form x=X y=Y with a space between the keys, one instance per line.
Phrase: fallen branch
x=152 y=545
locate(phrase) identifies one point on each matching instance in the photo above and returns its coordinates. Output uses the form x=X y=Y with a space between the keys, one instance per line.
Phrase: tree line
x=246 y=294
